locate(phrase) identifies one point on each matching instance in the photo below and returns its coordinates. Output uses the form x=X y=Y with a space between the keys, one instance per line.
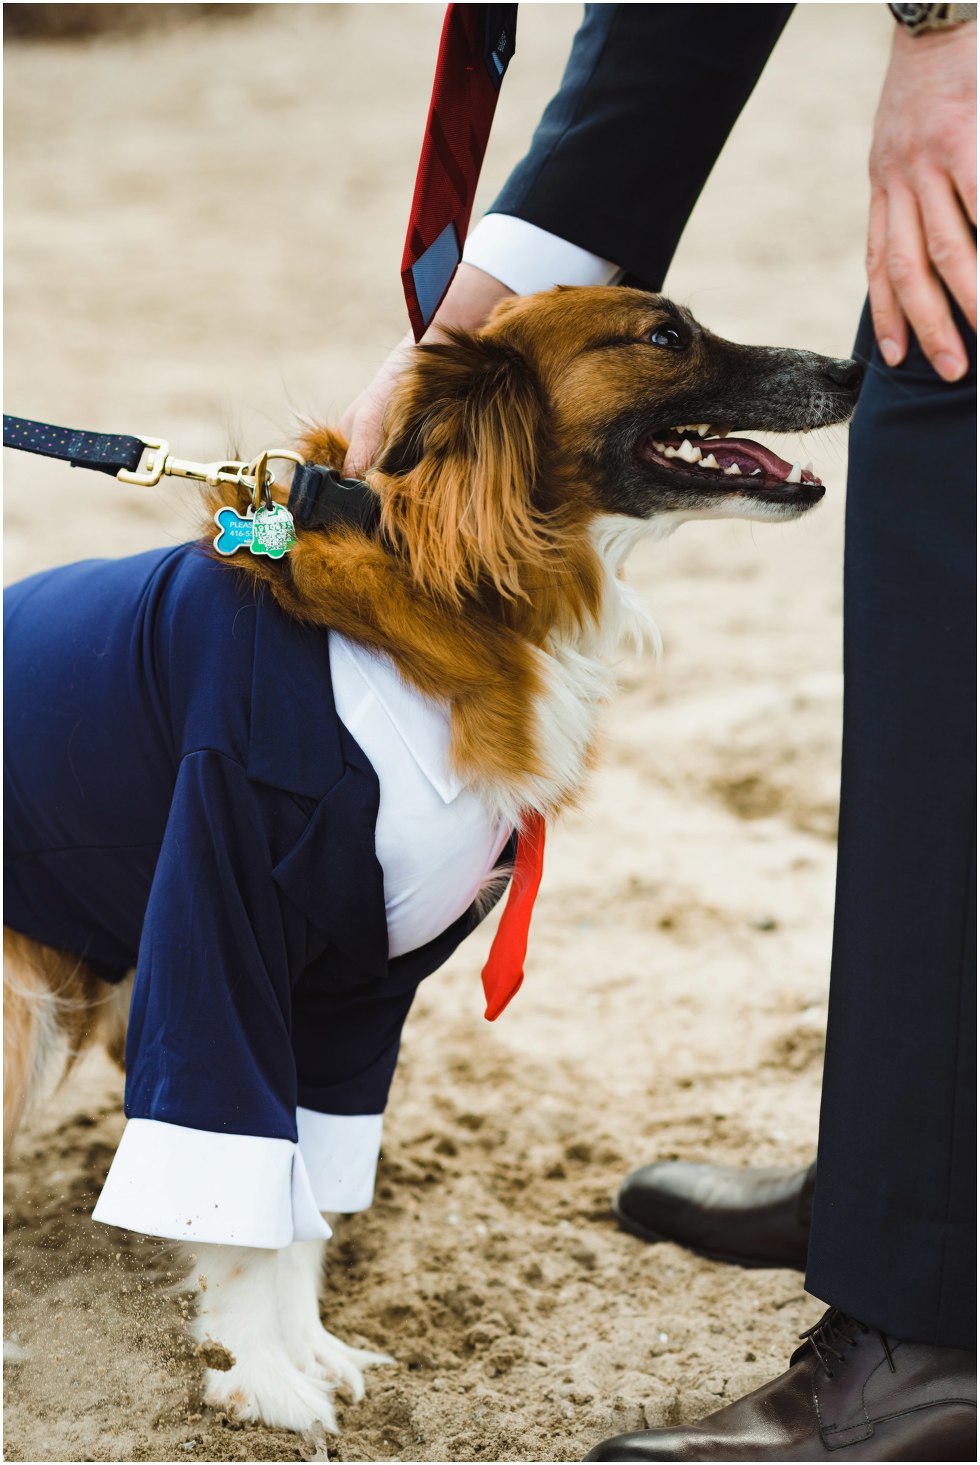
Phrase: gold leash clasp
x=255 y=476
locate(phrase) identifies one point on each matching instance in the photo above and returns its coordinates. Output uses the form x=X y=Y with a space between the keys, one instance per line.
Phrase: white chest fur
x=577 y=677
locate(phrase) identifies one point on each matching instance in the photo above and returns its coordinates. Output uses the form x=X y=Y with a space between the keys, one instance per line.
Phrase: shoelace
x=836 y=1331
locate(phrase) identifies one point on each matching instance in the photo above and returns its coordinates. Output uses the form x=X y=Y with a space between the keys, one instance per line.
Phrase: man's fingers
x=917 y=287
x=965 y=181
x=950 y=243
x=961 y=166
x=361 y=423
x=886 y=315
x=364 y=440
x=345 y=425
x=351 y=427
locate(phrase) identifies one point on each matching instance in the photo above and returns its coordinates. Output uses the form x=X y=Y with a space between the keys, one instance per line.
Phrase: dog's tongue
x=747 y=454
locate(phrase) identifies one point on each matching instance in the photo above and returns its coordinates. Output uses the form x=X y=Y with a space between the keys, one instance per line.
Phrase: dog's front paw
x=275 y=1393
x=325 y=1356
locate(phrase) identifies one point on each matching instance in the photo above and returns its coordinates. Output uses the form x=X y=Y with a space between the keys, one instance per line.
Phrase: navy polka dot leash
x=106 y=452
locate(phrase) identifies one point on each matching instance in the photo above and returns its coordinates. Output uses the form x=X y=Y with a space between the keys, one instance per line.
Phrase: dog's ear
x=463 y=446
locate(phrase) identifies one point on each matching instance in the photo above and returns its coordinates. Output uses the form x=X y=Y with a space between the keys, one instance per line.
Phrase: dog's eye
x=667 y=336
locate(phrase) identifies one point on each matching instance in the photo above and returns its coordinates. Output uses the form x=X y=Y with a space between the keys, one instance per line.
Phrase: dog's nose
x=846 y=374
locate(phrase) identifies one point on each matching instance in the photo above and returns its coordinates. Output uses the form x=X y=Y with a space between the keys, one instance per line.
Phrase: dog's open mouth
x=702 y=448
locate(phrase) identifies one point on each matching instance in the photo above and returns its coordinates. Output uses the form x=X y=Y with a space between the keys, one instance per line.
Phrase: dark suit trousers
x=894 y=1225
x=894 y=1221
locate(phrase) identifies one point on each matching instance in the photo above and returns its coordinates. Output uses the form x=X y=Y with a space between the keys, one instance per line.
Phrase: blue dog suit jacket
x=182 y=798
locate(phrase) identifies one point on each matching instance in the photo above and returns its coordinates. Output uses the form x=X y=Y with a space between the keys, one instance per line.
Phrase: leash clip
x=254 y=475
x=161 y=463
x=153 y=471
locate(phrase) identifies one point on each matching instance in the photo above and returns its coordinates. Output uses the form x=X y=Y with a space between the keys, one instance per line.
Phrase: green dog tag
x=272 y=532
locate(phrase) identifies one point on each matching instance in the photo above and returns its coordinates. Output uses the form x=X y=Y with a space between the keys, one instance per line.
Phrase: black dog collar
x=319 y=496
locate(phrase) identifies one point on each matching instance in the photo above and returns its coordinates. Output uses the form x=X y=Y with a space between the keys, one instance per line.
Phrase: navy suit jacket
x=648 y=98
x=182 y=797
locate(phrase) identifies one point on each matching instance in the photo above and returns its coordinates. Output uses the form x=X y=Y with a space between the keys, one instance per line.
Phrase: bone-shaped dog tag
x=236 y=530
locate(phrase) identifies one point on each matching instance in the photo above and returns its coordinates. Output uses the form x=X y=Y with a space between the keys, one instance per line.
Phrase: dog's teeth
x=756 y=473
x=710 y=461
x=733 y=469
x=795 y=474
x=722 y=431
x=808 y=468
x=688 y=453
x=703 y=428
x=670 y=452
x=659 y=447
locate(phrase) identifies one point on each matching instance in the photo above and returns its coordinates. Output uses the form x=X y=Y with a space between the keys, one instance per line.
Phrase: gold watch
x=917 y=19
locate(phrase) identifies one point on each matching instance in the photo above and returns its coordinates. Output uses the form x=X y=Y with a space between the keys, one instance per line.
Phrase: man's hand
x=361 y=423
x=924 y=197
x=469 y=301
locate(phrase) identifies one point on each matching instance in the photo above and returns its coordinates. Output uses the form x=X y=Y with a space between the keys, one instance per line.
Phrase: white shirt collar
x=422 y=724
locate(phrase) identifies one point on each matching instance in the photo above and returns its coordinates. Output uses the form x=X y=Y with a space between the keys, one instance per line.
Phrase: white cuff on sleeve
x=340 y=1153
x=196 y=1185
x=527 y=259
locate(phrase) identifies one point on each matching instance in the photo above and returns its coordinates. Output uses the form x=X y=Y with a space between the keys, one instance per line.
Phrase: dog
x=520 y=464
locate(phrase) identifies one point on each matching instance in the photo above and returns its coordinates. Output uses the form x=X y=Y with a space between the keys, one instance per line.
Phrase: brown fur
x=477 y=498
x=484 y=549
x=50 y=999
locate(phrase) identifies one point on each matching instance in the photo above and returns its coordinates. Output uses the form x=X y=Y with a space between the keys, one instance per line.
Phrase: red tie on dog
x=476 y=45
x=504 y=971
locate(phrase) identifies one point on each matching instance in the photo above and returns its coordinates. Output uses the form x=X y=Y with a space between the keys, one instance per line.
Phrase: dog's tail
x=54 y=1006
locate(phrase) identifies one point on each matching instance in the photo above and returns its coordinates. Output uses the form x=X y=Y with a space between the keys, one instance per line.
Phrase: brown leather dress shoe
x=754 y=1218
x=850 y=1393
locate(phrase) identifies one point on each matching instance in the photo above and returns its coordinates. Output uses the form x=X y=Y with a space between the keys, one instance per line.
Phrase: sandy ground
x=203 y=233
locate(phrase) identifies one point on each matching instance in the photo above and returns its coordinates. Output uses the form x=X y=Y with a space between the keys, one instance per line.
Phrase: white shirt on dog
x=435 y=841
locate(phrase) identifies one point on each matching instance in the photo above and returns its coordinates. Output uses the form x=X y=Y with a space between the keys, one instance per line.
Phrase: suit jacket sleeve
x=209 y=1045
x=649 y=96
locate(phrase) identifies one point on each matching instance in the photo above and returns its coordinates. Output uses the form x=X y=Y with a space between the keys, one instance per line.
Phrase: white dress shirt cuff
x=197 y=1185
x=527 y=259
x=341 y=1153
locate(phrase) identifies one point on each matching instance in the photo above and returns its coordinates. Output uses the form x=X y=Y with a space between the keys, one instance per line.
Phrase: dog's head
x=502 y=447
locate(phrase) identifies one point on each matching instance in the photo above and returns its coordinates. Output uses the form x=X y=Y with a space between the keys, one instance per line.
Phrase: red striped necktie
x=476 y=46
